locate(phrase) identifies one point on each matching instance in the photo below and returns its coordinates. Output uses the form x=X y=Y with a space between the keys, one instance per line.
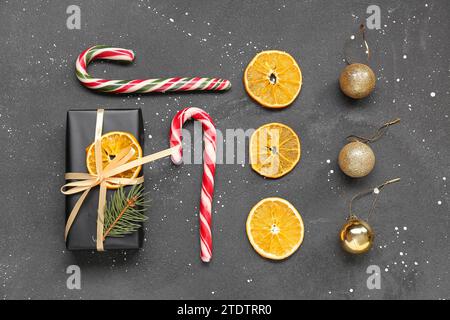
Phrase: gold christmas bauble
x=356 y=159
x=357 y=80
x=356 y=236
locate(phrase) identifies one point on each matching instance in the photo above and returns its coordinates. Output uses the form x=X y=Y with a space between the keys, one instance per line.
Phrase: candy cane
x=209 y=167
x=138 y=86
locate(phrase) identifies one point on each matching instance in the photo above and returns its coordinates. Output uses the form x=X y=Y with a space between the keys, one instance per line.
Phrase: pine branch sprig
x=124 y=212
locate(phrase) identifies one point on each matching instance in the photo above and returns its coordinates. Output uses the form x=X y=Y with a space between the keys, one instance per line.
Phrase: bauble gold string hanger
x=357 y=159
x=357 y=80
x=357 y=235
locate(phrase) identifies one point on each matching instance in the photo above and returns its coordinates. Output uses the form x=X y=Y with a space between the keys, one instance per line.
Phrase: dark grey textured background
x=171 y=38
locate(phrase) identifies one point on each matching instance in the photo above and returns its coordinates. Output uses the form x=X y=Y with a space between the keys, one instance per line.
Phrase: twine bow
x=84 y=182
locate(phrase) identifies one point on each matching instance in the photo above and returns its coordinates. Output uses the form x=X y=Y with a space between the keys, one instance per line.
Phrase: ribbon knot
x=84 y=182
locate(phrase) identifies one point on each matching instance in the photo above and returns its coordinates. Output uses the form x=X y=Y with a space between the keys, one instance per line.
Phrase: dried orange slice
x=275 y=228
x=274 y=150
x=273 y=78
x=111 y=144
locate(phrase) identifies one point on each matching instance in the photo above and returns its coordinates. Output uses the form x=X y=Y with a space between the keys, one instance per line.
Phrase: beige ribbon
x=84 y=182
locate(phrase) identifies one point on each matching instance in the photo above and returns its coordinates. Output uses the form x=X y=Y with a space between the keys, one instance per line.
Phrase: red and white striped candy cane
x=138 y=86
x=209 y=167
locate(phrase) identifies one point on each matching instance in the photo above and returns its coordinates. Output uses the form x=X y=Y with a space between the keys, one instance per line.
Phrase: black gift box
x=80 y=133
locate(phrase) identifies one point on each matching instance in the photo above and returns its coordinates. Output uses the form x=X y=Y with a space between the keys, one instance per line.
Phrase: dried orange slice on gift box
x=274 y=150
x=273 y=78
x=111 y=144
x=275 y=228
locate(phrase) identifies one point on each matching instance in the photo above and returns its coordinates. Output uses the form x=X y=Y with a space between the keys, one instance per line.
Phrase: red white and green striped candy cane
x=137 y=85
